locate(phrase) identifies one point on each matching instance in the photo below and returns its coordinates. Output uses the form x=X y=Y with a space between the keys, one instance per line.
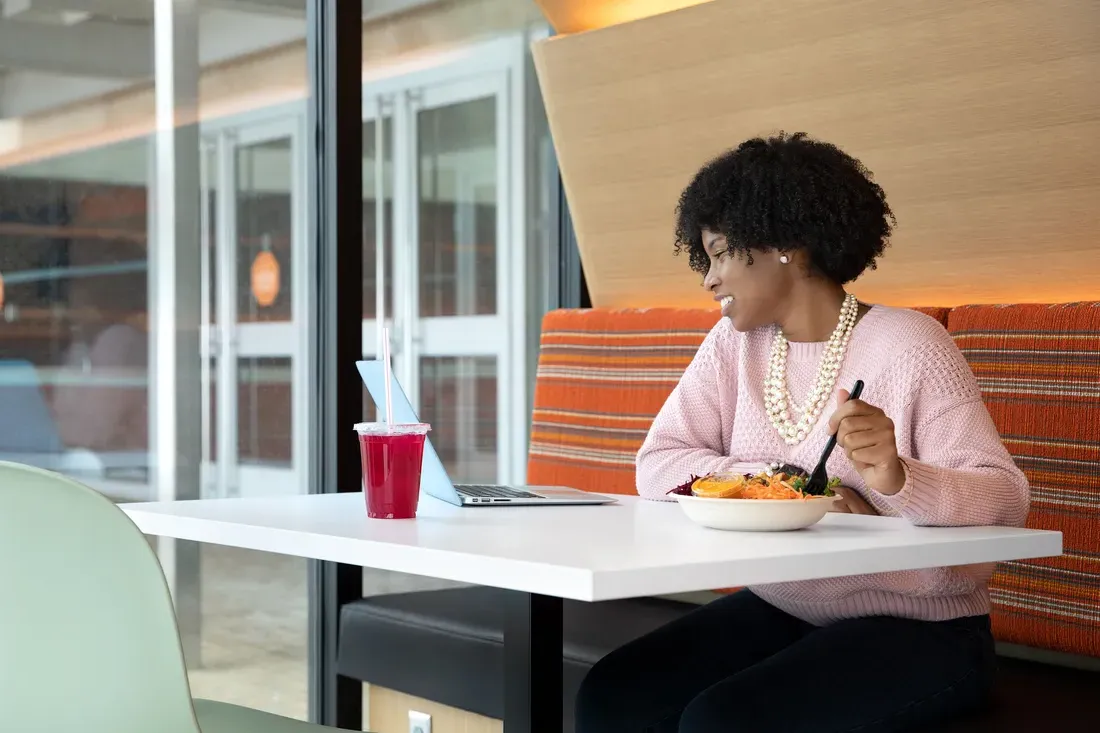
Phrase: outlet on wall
x=419 y=722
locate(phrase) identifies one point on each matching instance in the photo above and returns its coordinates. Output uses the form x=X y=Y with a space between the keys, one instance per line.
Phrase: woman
x=777 y=228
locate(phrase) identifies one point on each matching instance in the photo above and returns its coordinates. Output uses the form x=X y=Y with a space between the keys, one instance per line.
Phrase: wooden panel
x=572 y=16
x=389 y=713
x=981 y=121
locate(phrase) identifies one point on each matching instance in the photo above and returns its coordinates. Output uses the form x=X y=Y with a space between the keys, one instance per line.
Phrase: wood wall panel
x=980 y=119
x=388 y=712
x=574 y=16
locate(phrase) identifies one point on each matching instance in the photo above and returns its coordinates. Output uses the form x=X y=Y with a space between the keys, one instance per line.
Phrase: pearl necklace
x=777 y=397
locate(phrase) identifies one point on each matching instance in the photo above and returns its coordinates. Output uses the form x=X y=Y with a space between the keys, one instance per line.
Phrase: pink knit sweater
x=959 y=472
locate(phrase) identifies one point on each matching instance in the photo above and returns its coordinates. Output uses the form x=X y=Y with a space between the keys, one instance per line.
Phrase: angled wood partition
x=980 y=119
x=573 y=16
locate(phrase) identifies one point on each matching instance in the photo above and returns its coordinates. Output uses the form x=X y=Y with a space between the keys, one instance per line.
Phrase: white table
x=626 y=550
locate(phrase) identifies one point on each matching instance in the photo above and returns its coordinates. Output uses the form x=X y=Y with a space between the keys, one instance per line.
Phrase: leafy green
x=800 y=483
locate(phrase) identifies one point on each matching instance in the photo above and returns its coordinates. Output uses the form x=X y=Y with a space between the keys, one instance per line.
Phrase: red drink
x=392 y=459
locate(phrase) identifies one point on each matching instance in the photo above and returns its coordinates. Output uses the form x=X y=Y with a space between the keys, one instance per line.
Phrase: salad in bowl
x=769 y=501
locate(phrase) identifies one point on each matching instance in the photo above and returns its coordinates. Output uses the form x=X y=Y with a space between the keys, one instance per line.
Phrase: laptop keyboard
x=494 y=492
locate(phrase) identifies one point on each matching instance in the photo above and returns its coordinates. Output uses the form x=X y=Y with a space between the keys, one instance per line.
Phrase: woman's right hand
x=848 y=501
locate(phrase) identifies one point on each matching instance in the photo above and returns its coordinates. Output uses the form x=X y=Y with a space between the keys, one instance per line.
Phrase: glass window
x=459 y=400
x=377 y=168
x=441 y=297
x=100 y=266
x=73 y=259
x=265 y=230
x=265 y=412
x=458 y=209
x=104 y=268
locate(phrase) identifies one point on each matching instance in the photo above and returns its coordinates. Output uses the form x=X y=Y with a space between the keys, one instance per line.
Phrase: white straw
x=388 y=374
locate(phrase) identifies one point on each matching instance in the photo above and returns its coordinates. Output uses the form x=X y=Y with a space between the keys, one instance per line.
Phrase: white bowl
x=756 y=515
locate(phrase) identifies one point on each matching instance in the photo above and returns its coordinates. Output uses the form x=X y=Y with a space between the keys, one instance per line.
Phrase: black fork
x=819 y=479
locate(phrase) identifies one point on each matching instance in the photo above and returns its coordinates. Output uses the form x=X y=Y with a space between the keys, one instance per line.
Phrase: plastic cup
x=393 y=456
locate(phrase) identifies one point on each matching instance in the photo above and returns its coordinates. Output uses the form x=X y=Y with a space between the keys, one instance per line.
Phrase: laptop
x=434 y=480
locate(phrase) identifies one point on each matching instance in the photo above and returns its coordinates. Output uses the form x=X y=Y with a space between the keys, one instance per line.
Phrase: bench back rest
x=604 y=374
x=602 y=377
x=1039 y=370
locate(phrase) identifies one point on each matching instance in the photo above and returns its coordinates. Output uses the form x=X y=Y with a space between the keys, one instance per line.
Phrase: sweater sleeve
x=959 y=473
x=687 y=436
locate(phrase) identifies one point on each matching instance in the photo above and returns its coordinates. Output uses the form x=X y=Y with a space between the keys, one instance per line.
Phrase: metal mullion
x=175 y=271
x=226 y=309
x=302 y=305
x=206 y=344
x=506 y=277
x=334 y=179
x=380 y=222
x=405 y=244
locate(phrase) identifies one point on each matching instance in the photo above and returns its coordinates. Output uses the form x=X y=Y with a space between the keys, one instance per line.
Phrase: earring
x=784 y=259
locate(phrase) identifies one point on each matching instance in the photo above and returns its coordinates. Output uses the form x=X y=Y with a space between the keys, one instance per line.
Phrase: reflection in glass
x=370 y=217
x=264 y=231
x=79 y=261
x=458 y=398
x=73 y=344
x=265 y=411
x=458 y=209
x=210 y=214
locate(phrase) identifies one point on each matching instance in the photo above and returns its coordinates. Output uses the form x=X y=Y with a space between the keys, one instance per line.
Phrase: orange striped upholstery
x=603 y=375
x=940 y=314
x=1039 y=370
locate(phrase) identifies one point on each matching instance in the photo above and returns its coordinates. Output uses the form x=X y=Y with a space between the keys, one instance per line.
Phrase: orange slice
x=718 y=488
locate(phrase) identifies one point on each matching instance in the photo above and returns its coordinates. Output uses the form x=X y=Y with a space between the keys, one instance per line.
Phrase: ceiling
x=55 y=52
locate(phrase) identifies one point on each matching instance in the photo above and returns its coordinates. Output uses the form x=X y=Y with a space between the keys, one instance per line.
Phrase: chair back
x=88 y=638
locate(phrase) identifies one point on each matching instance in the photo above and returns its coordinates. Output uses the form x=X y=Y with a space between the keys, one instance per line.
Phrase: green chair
x=88 y=637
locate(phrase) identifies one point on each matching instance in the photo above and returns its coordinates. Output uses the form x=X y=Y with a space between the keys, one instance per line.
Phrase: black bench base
x=447 y=646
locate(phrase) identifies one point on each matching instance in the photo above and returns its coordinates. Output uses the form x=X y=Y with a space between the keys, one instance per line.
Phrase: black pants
x=741 y=665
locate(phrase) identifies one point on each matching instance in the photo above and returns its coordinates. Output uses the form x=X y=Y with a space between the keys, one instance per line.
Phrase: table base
x=533 y=664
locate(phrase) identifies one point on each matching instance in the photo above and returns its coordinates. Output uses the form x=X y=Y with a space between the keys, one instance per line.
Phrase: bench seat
x=447 y=646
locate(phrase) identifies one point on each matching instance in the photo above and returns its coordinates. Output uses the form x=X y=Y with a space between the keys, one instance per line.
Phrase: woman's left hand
x=848 y=501
x=867 y=436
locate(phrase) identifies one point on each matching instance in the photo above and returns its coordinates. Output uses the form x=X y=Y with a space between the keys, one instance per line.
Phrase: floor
x=254 y=627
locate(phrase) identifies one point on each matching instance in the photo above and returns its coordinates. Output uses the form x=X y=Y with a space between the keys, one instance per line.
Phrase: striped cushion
x=1039 y=369
x=940 y=314
x=602 y=377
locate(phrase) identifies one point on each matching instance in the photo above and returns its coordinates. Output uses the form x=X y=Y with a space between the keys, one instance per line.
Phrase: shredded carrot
x=760 y=486
x=770 y=487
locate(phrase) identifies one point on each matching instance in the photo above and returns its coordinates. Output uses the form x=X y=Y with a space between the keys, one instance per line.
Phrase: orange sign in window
x=265 y=279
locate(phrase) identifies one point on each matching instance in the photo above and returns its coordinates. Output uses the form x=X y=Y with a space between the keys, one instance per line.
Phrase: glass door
x=455 y=300
x=437 y=260
x=378 y=224
x=254 y=366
